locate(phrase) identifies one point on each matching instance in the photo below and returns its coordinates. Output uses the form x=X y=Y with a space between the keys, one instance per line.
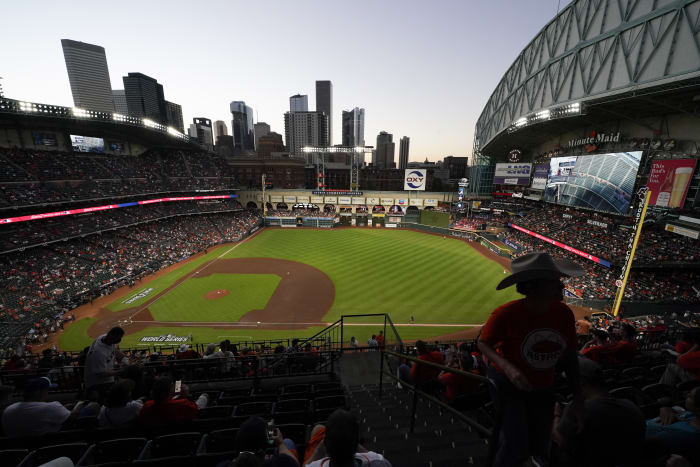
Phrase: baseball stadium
x=585 y=154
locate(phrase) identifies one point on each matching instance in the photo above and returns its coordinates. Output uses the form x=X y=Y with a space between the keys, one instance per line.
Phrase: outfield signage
x=358 y=200
x=677 y=229
x=302 y=199
x=563 y=246
x=331 y=199
x=372 y=201
x=344 y=200
x=415 y=179
x=388 y=201
x=416 y=202
x=275 y=199
x=290 y=199
x=70 y=212
x=317 y=199
x=138 y=296
x=337 y=192
x=430 y=202
x=512 y=173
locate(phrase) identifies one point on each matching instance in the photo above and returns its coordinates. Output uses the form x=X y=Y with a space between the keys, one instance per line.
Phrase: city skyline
x=427 y=76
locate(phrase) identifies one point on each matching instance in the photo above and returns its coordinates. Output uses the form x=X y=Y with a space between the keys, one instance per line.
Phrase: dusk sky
x=419 y=69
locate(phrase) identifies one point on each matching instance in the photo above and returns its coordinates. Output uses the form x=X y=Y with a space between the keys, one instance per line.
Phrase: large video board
x=603 y=182
x=87 y=144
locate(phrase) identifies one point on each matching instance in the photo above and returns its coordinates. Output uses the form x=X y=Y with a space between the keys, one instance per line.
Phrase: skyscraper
x=385 y=150
x=299 y=103
x=305 y=129
x=354 y=127
x=261 y=129
x=119 y=99
x=145 y=97
x=324 y=103
x=220 y=129
x=403 y=152
x=202 y=127
x=88 y=75
x=173 y=114
x=269 y=143
x=242 y=127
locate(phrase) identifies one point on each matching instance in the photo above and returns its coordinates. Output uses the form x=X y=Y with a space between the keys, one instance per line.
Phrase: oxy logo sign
x=414 y=179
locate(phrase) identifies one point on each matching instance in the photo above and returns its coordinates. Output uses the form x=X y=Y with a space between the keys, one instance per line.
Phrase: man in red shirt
x=164 y=408
x=380 y=340
x=687 y=365
x=524 y=340
x=419 y=374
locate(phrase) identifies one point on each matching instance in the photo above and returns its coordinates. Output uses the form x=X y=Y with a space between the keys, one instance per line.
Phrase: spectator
x=687 y=366
x=165 y=408
x=340 y=445
x=372 y=343
x=456 y=385
x=119 y=408
x=583 y=326
x=420 y=375
x=35 y=417
x=185 y=353
x=380 y=340
x=101 y=360
x=605 y=418
x=676 y=430
x=353 y=343
x=524 y=340
x=254 y=443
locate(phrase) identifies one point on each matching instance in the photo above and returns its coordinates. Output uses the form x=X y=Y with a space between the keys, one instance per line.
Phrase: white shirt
x=119 y=416
x=365 y=457
x=99 y=359
x=33 y=418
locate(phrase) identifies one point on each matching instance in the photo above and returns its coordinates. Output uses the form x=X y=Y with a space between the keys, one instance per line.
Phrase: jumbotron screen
x=87 y=144
x=604 y=182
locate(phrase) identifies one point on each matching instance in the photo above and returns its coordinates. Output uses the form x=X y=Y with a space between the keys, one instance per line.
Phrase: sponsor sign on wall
x=290 y=199
x=402 y=202
x=331 y=199
x=682 y=231
x=416 y=202
x=517 y=173
x=344 y=200
x=275 y=199
x=430 y=202
x=317 y=199
x=358 y=200
x=597 y=223
x=567 y=216
x=372 y=201
x=258 y=197
x=669 y=181
x=387 y=201
x=539 y=177
x=302 y=199
x=415 y=179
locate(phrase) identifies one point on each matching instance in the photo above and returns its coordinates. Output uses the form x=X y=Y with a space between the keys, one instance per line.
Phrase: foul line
x=263 y=324
x=196 y=271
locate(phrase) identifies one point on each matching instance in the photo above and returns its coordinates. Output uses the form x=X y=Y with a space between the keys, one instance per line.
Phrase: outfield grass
x=400 y=272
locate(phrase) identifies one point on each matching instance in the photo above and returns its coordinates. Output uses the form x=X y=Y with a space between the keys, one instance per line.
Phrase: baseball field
x=282 y=283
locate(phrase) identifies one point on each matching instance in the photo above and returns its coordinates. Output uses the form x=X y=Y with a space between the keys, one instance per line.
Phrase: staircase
x=438 y=438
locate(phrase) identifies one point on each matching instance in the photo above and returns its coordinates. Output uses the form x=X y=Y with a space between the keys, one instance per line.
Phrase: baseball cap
x=252 y=435
x=38 y=384
x=589 y=370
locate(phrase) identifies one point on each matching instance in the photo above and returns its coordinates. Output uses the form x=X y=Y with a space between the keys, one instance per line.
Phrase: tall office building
x=299 y=103
x=269 y=143
x=385 y=150
x=242 y=127
x=145 y=97
x=119 y=99
x=220 y=129
x=354 y=127
x=261 y=129
x=202 y=126
x=403 y=152
x=88 y=75
x=173 y=114
x=305 y=129
x=324 y=103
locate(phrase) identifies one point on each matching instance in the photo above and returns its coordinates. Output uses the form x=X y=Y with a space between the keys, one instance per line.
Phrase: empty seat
x=659 y=391
x=235 y=392
x=207 y=425
x=291 y=405
x=327 y=385
x=630 y=393
x=217 y=411
x=12 y=457
x=688 y=385
x=73 y=451
x=295 y=389
x=328 y=392
x=179 y=444
x=172 y=461
x=329 y=402
x=220 y=440
x=115 y=450
x=262 y=409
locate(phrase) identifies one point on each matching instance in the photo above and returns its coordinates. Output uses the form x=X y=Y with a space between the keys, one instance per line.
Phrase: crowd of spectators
x=43 y=283
x=300 y=212
x=30 y=177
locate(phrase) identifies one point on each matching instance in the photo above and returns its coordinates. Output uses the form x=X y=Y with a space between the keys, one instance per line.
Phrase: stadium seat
x=688 y=385
x=659 y=392
x=291 y=405
x=12 y=457
x=172 y=461
x=235 y=392
x=217 y=411
x=297 y=432
x=219 y=441
x=262 y=409
x=115 y=450
x=73 y=451
x=179 y=444
x=295 y=389
x=233 y=400
x=329 y=402
x=207 y=425
x=630 y=393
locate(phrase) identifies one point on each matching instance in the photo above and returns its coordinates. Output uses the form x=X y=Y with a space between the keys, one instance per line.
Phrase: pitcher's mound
x=214 y=294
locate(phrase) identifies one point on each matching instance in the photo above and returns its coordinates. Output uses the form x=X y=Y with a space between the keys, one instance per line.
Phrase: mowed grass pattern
x=246 y=292
x=400 y=272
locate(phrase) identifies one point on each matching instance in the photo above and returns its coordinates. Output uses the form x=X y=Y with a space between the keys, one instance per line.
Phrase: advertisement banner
x=669 y=181
x=358 y=200
x=317 y=199
x=430 y=202
x=387 y=201
x=539 y=177
x=344 y=200
x=416 y=202
x=512 y=173
x=682 y=231
x=372 y=201
x=302 y=199
x=415 y=179
x=597 y=223
x=331 y=200
x=563 y=246
x=290 y=199
x=402 y=202
x=44 y=139
x=87 y=144
x=275 y=199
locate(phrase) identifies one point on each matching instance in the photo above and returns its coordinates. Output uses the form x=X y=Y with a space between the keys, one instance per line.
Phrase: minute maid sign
x=414 y=180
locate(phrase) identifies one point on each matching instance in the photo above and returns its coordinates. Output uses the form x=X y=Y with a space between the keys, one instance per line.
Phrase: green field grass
x=400 y=272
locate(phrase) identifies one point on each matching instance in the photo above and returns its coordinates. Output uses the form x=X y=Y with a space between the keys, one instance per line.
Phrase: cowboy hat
x=539 y=265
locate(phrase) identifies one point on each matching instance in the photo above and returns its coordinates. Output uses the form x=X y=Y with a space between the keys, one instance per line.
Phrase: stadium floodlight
x=520 y=122
x=78 y=112
x=543 y=114
x=149 y=123
x=174 y=132
x=27 y=107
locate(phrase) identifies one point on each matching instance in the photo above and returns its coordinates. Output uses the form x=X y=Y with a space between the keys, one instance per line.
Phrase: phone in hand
x=271 y=432
x=178 y=386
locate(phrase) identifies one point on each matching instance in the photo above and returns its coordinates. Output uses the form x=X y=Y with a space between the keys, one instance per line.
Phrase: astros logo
x=542 y=348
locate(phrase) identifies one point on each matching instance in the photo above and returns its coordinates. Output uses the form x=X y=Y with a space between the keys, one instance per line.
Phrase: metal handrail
x=492 y=434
